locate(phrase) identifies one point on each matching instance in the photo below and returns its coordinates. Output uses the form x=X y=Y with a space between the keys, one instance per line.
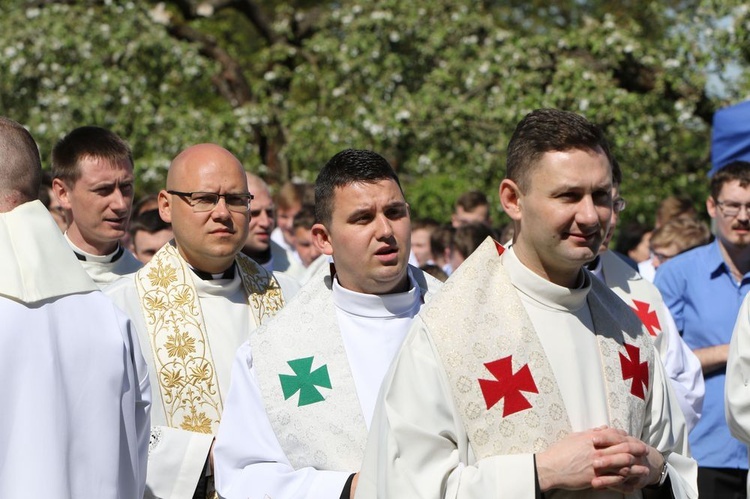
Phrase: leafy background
x=437 y=87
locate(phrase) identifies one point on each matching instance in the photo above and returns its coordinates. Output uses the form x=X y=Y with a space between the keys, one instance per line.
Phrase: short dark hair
x=545 y=130
x=471 y=200
x=20 y=165
x=441 y=238
x=87 y=142
x=630 y=236
x=149 y=221
x=348 y=167
x=467 y=238
x=736 y=170
x=430 y=224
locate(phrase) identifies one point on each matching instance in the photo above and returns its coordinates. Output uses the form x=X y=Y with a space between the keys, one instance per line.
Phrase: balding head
x=208 y=240
x=262 y=218
x=20 y=167
x=196 y=161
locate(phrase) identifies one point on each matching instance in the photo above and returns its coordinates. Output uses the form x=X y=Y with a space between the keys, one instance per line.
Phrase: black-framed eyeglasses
x=619 y=204
x=731 y=208
x=207 y=201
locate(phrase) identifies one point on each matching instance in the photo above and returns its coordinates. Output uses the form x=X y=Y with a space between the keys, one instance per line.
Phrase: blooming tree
x=437 y=87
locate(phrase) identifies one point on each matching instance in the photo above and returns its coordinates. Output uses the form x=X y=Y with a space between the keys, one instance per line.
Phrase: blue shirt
x=705 y=300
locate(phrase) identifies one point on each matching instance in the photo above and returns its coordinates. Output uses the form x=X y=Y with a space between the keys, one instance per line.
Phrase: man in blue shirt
x=704 y=289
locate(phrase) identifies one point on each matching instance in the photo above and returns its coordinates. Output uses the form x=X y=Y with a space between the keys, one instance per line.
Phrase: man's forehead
x=353 y=191
x=104 y=168
x=735 y=190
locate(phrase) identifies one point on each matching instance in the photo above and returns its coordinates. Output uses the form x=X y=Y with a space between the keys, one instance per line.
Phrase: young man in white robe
x=304 y=386
x=93 y=181
x=193 y=305
x=75 y=417
x=525 y=376
x=680 y=363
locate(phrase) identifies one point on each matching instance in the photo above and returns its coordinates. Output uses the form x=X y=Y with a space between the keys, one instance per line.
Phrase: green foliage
x=110 y=65
x=436 y=87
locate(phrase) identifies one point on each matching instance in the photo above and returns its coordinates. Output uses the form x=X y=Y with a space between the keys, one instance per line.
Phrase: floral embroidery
x=196 y=422
x=182 y=357
x=180 y=345
x=162 y=275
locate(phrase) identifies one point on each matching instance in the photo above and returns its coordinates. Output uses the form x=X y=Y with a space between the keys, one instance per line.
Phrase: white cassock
x=737 y=387
x=280 y=442
x=499 y=366
x=285 y=261
x=74 y=423
x=190 y=359
x=106 y=269
x=680 y=363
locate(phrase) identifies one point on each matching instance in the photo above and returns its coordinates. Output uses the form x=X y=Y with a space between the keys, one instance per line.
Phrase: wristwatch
x=662 y=476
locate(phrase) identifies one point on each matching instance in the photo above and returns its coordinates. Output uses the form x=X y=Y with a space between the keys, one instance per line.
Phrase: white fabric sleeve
x=684 y=369
x=176 y=461
x=737 y=387
x=248 y=459
x=664 y=429
x=142 y=397
x=417 y=453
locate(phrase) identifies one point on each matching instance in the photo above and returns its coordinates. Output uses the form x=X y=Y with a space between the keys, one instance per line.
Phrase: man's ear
x=711 y=206
x=322 y=239
x=510 y=198
x=165 y=206
x=61 y=190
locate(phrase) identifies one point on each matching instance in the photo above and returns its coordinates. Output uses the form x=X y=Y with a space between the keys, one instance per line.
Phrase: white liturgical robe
x=737 y=388
x=106 y=269
x=190 y=359
x=680 y=363
x=283 y=445
x=438 y=433
x=74 y=423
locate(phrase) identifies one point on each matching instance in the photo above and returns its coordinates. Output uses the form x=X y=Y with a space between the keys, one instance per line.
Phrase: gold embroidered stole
x=486 y=341
x=183 y=363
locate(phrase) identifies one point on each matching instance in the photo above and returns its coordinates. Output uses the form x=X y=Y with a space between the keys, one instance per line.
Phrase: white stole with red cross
x=503 y=383
x=641 y=295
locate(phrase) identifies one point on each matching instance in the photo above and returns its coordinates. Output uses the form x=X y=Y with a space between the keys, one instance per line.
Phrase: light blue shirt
x=705 y=300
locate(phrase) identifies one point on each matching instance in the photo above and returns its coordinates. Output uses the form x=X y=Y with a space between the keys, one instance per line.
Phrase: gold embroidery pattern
x=183 y=361
x=182 y=358
x=263 y=291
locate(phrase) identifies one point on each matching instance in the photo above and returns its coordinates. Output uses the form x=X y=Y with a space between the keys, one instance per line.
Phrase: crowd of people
x=217 y=339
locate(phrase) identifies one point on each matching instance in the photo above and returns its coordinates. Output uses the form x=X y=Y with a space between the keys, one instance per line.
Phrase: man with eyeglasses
x=259 y=246
x=704 y=288
x=193 y=305
x=680 y=363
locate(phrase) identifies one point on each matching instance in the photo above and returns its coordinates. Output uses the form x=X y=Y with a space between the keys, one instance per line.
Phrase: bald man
x=259 y=246
x=193 y=305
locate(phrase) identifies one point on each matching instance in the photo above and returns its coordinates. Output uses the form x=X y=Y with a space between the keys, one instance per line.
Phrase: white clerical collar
x=543 y=291
x=221 y=286
x=88 y=257
x=377 y=306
